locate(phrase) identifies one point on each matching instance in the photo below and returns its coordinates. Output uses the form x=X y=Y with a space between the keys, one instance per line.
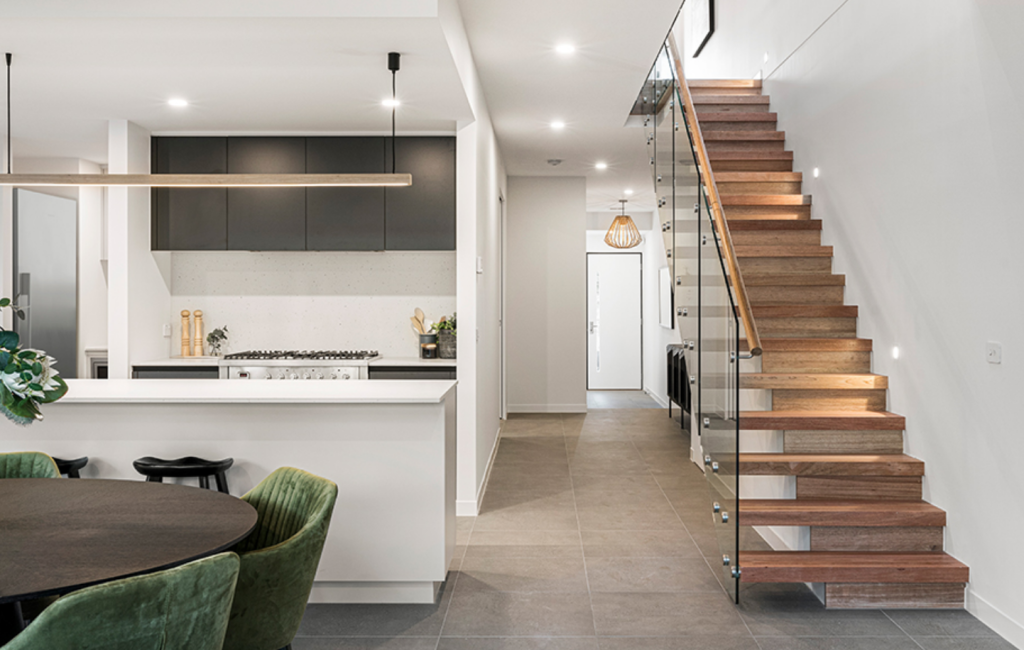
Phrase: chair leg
x=154 y=479
x=222 y=482
x=73 y=473
x=204 y=482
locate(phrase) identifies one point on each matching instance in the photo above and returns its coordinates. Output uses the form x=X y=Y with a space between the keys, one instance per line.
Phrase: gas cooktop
x=305 y=355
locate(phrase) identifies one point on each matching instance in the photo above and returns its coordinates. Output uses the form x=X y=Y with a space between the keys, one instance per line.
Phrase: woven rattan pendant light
x=623 y=233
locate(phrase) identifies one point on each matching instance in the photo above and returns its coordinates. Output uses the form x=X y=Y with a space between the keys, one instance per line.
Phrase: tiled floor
x=620 y=399
x=594 y=535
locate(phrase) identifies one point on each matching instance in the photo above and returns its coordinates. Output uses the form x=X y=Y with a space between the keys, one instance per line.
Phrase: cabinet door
x=186 y=218
x=344 y=218
x=267 y=218
x=422 y=216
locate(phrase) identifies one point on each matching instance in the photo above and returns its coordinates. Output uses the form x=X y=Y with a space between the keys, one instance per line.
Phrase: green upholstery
x=28 y=464
x=280 y=558
x=186 y=608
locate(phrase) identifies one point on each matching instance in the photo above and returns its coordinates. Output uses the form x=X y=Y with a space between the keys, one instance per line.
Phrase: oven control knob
x=269 y=376
x=346 y=376
x=319 y=375
x=305 y=375
x=334 y=376
x=293 y=376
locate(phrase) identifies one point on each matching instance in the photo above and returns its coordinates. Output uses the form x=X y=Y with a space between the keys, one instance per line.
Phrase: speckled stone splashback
x=302 y=300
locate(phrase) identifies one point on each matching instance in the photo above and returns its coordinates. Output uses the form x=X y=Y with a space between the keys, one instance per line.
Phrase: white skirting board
x=547 y=408
x=995 y=618
x=375 y=593
x=465 y=508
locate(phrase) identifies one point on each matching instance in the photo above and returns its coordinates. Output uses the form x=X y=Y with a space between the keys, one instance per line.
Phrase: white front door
x=614 y=325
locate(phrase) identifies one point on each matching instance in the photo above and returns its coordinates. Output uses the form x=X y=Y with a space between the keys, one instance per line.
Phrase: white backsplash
x=307 y=301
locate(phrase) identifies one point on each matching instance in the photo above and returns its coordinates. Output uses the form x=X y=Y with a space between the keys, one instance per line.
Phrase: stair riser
x=829 y=400
x=845 y=575
x=745 y=145
x=729 y=108
x=776 y=237
x=881 y=488
x=752 y=166
x=707 y=126
x=795 y=295
x=843 y=442
x=785 y=265
x=807 y=327
x=901 y=538
x=723 y=91
x=827 y=469
x=894 y=596
x=788 y=187
x=806 y=362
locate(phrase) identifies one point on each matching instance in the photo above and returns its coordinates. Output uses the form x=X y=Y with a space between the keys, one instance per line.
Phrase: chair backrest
x=185 y=608
x=28 y=464
x=280 y=558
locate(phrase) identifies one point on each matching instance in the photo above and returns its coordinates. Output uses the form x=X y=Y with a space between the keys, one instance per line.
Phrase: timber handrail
x=715 y=204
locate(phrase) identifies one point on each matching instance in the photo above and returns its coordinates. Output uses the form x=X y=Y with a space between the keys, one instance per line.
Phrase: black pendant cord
x=394 y=110
x=9 y=57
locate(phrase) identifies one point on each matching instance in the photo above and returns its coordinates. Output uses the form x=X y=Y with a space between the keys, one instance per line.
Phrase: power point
x=993 y=352
x=167 y=330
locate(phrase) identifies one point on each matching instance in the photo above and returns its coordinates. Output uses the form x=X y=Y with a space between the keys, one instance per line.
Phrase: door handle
x=593 y=326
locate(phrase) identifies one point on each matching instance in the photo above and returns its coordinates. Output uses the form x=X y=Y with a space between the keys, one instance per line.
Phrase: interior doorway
x=615 y=321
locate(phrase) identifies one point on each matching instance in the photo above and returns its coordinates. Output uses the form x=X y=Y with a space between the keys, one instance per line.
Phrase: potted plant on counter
x=217 y=339
x=446 y=337
x=27 y=377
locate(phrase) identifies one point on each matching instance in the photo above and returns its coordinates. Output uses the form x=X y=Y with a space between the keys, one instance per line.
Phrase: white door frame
x=641 y=255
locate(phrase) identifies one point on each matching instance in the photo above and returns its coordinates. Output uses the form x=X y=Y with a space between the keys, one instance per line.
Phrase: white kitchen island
x=389 y=445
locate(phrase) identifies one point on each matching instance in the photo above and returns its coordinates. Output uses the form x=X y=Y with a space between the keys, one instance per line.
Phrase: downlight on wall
x=896 y=352
x=623 y=233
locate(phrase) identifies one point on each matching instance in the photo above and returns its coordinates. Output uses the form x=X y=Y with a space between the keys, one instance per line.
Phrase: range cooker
x=341 y=365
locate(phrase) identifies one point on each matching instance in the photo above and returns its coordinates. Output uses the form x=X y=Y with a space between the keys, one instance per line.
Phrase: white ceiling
x=528 y=85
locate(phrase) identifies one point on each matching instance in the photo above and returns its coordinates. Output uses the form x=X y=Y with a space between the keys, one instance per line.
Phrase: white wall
x=300 y=300
x=481 y=180
x=546 y=294
x=914 y=113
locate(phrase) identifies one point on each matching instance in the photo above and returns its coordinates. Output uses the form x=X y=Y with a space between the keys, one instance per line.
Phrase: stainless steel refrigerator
x=46 y=275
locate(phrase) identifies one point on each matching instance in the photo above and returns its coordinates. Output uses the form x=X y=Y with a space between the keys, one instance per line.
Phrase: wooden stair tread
x=766 y=199
x=843 y=344
x=749 y=155
x=736 y=116
x=822 y=420
x=783 y=251
x=759 y=177
x=813 y=381
x=815 y=512
x=723 y=83
x=731 y=136
x=851 y=567
x=804 y=311
x=710 y=98
x=769 y=464
x=794 y=280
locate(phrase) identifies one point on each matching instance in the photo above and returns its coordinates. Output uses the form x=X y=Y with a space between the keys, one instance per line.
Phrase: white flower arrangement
x=27 y=377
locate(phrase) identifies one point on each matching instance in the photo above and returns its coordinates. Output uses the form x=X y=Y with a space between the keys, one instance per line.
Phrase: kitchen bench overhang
x=206 y=180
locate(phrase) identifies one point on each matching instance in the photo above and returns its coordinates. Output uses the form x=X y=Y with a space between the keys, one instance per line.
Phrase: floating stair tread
x=811 y=512
x=723 y=83
x=736 y=116
x=766 y=199
x=759 y=177
x=804 y=311
x=740 y=136
x=709 y=98
x=813 y=381
x=851 y=567
x=843 y=344
x=822 y=421
x=793 y=280
x=749 y=155
x=830 y=465
x=783 y=251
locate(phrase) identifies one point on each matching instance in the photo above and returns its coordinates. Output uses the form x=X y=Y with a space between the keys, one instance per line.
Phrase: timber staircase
x=873 y=541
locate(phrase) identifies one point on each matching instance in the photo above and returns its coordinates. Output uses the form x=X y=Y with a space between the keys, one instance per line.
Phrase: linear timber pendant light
x=191 y=180
x=623 y=233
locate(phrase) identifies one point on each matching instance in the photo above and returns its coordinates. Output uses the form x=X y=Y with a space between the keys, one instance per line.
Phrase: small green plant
x=445 y=324
x=217 y=338
x=27 y=377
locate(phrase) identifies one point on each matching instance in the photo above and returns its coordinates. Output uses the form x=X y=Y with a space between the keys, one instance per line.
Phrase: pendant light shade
x=623 y=233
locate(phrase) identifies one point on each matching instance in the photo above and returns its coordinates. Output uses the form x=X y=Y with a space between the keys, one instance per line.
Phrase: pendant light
x=200 y=180
x=394 y=64
x=623 y=233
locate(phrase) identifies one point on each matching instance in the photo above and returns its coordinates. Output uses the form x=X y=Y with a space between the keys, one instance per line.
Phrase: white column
x=466 y=304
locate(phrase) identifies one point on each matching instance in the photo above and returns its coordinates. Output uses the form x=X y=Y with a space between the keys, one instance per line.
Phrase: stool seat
x=71 y=467
x=156 y=469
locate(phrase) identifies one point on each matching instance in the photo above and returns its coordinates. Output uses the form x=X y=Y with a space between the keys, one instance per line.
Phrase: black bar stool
x=70 y=467
x=155 y=469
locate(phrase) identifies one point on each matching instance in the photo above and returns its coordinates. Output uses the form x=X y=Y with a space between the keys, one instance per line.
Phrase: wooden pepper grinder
x=197 y=342
x=186 y=340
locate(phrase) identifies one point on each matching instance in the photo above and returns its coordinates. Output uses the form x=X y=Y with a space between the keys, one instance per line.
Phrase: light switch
x=479 y=265
x=993 y=352
x=167 y=330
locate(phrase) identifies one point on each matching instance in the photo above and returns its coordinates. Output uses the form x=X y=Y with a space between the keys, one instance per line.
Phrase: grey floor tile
x=669 y=615
x=518 y=643
x=322 y=620
x=508 y=479
x=642 y=485
x=525 y=543
x=529 y=574
x=690 y=642
x=463 y=527
x=522 y=510
x=964 y=643
x=650 y=574
x=799 y=619
x=495 y=613
x=939 y=623
x=626 y=517
x=364 y=643
x=638 y=543
x=836 y=643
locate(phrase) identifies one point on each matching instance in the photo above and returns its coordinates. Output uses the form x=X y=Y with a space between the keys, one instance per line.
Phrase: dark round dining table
x=59 y=535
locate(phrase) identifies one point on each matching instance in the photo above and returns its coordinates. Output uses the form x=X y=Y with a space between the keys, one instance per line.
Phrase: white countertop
x=179 y=362
x=205 y=391
x=413 y=361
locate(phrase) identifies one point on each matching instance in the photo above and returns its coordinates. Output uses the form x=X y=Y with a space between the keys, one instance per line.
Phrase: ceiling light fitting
x=557 y=125
x=206 y=180
x=177 y=102
x=623 y=233
x=565 y=48
x=601 y=165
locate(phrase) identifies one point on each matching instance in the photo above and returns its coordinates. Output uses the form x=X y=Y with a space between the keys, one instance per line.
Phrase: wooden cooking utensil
x=417 y=325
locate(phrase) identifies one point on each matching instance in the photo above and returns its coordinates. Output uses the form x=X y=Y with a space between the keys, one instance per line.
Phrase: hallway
x=595 y=535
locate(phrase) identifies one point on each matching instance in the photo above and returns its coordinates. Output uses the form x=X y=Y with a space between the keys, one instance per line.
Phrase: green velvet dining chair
x=28 y=464
x=185 y=608
x=279 y=558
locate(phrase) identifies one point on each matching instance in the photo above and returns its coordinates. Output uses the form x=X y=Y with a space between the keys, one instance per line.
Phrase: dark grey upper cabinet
x=344 y=218
x=190 y=218
x=267 y=218
x=422 y=217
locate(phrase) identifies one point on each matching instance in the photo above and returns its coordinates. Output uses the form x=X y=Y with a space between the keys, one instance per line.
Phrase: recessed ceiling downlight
x=628 y=192
x=565 y=48
x=601 y=166
x=177 y=102
x=391 y=103
x=558 y=125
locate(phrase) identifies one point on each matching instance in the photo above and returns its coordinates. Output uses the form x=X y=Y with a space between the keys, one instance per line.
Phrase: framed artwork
x=700 y=24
